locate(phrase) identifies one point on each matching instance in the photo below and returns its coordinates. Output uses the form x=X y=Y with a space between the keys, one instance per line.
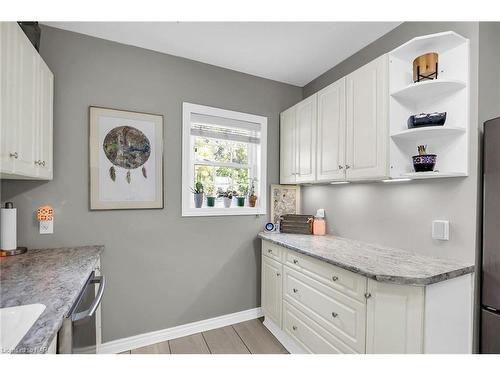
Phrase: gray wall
x=163 y=270
x=400 y=214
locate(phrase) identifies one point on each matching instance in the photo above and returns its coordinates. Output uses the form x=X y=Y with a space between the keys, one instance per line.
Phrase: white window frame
x=188 y=162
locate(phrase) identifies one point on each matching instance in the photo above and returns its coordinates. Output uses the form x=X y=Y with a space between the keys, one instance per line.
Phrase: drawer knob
x=14 y=155
x=295 y=261
x=367 y=295
x=294 y=328
x=43 y=163
x=278 y=274
x=341 y=166
x=334 y=314
x=269 y=251
x=335 y=278
x=295 y=290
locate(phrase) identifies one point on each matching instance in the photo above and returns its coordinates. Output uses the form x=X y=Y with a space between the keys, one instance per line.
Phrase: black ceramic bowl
x=424 y=163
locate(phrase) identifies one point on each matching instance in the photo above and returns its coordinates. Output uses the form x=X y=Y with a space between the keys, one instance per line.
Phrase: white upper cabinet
x=287 y=146
x=367 y=121
x=330 y=150
x=26 y=99
x=306 y=112
x=341 y=132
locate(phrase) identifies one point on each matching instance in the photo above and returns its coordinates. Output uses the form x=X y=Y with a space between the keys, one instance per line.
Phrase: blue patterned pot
x=424 y=163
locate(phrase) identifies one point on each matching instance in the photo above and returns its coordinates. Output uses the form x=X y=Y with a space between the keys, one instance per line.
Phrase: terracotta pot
x=252 y=199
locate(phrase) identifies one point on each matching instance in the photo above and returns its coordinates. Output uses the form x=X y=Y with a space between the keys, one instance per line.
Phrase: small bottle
x=319 y=223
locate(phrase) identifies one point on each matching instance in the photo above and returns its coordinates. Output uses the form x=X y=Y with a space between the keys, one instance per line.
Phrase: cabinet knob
x=295 y=290
x=43 y=163
x=334 y=314
x=347 y=166
x=341 y=166
x=278 y=274
x=269 y=251
x=335 y=278
x=294 y=328
x=37 y=162
x=14 y=155
x=295 y=261
x=367 y=295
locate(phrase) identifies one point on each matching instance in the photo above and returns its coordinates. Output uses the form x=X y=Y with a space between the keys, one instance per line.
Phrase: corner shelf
x=423 y=175
x=449 y=93
x=434 y=131
x=428 y=89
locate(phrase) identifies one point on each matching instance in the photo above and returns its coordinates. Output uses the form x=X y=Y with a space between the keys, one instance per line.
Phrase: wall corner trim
x=149 y=338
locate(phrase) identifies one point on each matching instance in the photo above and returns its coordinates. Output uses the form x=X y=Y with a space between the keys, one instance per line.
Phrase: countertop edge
x=424 y=281
x=42 y=348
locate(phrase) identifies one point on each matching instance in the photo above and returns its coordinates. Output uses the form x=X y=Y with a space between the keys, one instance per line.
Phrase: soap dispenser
x=319 y=223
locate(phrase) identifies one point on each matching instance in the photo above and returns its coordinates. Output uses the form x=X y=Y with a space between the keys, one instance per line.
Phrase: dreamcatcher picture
x=125 y=159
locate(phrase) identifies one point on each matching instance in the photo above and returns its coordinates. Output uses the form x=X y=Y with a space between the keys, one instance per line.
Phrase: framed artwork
x=126 y=159
x=285 y=199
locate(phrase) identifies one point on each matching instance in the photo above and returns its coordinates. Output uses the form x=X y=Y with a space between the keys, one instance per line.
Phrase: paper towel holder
x=19 y=249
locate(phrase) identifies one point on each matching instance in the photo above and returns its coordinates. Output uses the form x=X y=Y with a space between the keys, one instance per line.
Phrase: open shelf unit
x=448 y=93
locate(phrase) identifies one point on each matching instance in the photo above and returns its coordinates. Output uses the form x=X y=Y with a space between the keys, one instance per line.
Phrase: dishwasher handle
x=101 y=280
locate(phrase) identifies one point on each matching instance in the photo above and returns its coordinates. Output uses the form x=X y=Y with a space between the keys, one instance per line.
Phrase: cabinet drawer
x=342 y=316
x=349 y=283
x=273 y=251
x=308 y=334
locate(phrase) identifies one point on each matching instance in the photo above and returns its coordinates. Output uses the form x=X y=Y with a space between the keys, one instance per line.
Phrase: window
x=225 y=151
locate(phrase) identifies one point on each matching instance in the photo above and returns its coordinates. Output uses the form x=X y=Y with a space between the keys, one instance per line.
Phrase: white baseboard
x=283 y=338
x=134 y=342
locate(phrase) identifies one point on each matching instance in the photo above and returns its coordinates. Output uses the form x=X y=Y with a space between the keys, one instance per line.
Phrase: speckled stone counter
x=373 y=261
x=53 y=277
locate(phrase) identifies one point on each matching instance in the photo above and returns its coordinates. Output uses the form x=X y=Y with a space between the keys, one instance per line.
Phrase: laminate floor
x=250 y=337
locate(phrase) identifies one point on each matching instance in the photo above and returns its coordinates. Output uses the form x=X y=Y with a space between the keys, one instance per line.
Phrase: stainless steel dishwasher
x=78 y=332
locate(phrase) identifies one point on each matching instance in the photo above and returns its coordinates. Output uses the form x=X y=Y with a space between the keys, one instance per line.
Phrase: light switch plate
x=441 y=230
x=47 y=227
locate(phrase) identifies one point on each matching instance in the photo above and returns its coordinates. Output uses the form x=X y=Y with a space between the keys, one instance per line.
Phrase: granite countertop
x=53 y=277
x=373 y=261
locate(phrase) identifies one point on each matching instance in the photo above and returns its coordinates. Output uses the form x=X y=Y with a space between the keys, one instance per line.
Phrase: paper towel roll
x=8 y=230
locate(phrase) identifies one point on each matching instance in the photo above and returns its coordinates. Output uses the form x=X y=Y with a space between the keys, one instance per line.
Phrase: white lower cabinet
x=395 y=318
x=320 y=308
x=271 y=289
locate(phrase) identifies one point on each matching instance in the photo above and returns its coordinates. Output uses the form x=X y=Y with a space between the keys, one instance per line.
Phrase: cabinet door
x=44 y=134
x=271 y=295
x=367 y=121
x=9 y=96
x=287 y=146
x=395 y=317
x=306 y=139
x=27 y=105
x=330 y=153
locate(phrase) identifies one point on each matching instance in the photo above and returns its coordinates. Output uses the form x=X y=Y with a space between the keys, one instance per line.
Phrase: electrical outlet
x=47 y=227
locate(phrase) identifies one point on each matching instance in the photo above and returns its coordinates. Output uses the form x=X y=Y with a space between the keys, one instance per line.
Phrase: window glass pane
x=213 y=150
x=240 y=153
x=205 y=175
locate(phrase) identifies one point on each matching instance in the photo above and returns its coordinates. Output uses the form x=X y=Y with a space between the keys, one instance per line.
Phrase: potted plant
x=227 y=196
x=198 y=194
x=240 y=199
x=252 y=198
x=210 y=197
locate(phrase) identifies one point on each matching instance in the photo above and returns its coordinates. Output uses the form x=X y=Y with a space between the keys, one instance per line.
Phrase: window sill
x=219 y=211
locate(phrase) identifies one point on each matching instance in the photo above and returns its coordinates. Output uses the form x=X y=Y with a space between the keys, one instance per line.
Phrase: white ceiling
x=290 y=52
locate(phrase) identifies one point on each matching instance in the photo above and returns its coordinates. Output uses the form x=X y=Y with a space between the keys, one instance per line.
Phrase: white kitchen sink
x=15 y=322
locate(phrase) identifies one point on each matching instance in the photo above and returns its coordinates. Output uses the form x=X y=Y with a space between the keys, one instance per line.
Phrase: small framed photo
x=126 y=159
x=285 y=199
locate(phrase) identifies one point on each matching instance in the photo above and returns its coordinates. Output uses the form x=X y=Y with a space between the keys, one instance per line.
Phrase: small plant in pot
x=240 y=199
x=424 y=162
x=210 y=197
x=252 y=198
x=227 y=196
x=198 y=194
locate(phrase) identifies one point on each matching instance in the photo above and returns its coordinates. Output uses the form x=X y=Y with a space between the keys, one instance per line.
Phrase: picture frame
x=289 y=203
x=126 y=159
